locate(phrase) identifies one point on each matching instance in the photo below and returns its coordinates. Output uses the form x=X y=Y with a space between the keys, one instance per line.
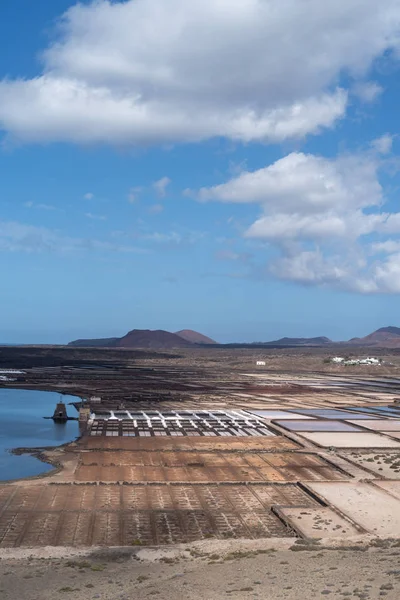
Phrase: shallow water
x=22 y=426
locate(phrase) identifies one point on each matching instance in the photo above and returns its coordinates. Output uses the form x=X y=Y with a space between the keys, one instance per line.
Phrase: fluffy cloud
x=155 y=71
x=383 y=144
x=367 y=91
x=318 y=214
x=161 y=185
x=306 y=182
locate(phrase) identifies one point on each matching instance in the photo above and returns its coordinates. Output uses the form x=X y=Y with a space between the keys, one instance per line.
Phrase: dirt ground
x=238 y=570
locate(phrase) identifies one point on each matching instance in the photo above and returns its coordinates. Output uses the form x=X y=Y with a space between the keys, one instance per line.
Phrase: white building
x=261 y=363
x=356 y=361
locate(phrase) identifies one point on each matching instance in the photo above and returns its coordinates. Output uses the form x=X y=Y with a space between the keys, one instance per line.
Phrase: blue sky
x=229 y=166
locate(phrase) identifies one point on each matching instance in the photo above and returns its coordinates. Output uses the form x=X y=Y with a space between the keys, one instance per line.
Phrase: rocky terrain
x=240 y=569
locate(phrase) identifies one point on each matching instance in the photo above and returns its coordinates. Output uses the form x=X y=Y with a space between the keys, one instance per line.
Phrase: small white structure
x=261 y=363
x=337 y=359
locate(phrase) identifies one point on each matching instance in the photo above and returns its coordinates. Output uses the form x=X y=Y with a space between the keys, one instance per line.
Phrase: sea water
x=22 y=426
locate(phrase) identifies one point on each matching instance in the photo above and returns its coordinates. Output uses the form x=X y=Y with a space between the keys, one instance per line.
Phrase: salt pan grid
x=374 y=411
x=350 y=440
x=331 y=413
x=379 y=424
x=381 y=463
x=316 y=425
x=216 y=423
x=277 y=414
x=196 y=466
x=116 y=515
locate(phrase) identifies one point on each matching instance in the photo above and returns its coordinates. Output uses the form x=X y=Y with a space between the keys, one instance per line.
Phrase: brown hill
x=385 y=337
x=145 y=338
x=194 y=337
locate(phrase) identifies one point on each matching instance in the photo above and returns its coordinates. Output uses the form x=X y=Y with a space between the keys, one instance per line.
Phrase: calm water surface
x=22 y=425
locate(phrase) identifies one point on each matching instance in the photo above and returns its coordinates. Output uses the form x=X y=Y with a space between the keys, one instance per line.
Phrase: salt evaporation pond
x=22 y=426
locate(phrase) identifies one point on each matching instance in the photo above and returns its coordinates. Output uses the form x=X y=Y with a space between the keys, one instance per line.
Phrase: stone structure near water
x=60 y=413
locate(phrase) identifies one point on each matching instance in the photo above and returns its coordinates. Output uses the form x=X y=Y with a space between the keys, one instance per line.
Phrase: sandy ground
x=206 y=572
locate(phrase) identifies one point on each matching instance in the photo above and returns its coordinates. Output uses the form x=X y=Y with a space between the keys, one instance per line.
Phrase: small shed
x=261 y=363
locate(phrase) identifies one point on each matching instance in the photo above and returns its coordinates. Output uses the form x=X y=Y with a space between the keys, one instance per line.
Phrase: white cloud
x=161 y=185
x=367 y=91
x=317 y=213
x=386 y=275
x=39 y=206
x=173 y=238
x=89 y=196
x=305 y=182
x=387 y=247
x=319 y=227
x=352 y=273
x=309 y=267
x=161 y=71
x=383 y=144
x=21 y=237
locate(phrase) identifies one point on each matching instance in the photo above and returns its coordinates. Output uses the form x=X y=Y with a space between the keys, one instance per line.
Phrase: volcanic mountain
x=146 y=338
x=194 y=337
x=386 y=337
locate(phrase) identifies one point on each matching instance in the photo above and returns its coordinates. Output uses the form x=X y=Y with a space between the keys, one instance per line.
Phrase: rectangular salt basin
x=350 y=440
x=331 y=413
x=318 y=522
x=372 y=508
x=315 y=425
x=277 y=414
x=375 y=411
x=379 y=424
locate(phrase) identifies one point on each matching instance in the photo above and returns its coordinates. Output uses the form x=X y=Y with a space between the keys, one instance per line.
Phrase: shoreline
x=41 y=452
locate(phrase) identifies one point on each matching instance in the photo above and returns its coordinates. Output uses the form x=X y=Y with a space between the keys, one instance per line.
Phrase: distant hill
x=146 y=338
x=194 y=337
x=100 y=343
x=315 y=341
x=386 y=337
